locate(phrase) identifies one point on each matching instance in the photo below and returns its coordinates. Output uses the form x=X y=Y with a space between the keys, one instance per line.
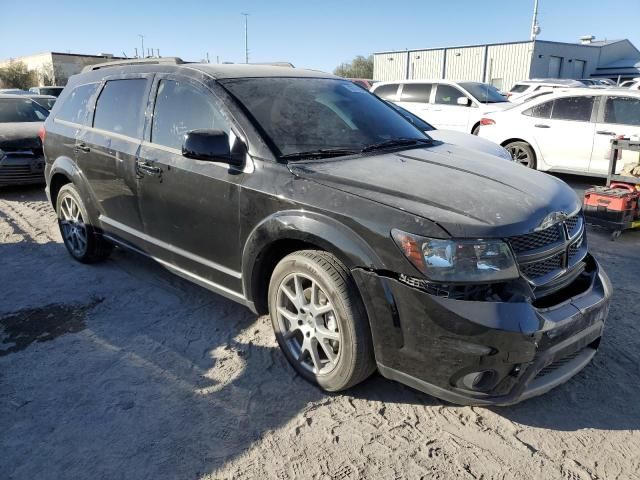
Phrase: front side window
x=310 y=114
x=21 y=111
x=542 y=110
x=416 y=92
x=119 y=108
x=180 y=108
x=447 y=95
x=622 y=110
x=74 y=107
x=572 y=108
x=387 y=92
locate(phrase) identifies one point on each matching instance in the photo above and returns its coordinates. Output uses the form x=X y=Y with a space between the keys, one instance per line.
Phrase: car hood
x=471 y=142
x=495 y=107
x=19 y=136
x=469 y=194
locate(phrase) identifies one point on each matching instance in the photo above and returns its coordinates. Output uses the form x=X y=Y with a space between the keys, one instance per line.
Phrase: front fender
x=309 y=227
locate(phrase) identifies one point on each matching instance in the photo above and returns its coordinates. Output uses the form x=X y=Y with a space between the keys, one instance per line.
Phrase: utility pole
x=246 y=37
x=535 y=28
x=142 y=42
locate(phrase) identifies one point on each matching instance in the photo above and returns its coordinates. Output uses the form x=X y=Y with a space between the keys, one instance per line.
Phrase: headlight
x=458 y=261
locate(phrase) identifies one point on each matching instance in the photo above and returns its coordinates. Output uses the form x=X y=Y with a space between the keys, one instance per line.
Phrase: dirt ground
x=123 y=370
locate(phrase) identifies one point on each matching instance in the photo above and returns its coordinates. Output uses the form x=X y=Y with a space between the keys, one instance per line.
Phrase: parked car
x=21 y=159
x=445 y=104
x=526 y=87
x=300 y=194
x=628 y=83
x=13 y=91
x=53 y=91
x=46 y=101
x=568 y=130
x=453 y=137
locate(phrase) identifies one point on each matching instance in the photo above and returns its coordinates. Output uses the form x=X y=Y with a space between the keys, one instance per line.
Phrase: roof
x=222 y=71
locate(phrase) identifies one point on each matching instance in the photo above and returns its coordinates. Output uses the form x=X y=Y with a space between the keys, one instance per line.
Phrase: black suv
x=300 y=194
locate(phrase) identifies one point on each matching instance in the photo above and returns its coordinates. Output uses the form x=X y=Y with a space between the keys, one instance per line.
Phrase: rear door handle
x=605 y=132
x=81 y=147
x=541 y=125
x=148 y=168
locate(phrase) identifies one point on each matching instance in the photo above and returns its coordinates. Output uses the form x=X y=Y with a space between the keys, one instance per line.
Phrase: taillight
x=509 y=94
x=487 y=121
x=41 y=134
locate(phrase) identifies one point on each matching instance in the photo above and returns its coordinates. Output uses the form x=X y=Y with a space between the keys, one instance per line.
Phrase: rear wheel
x=476 y=129
x=522 y=153
x=319 y=320
x=80 y=238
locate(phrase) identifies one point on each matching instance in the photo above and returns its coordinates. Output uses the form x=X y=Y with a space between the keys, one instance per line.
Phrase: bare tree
x=359 y=67
x=16 y=75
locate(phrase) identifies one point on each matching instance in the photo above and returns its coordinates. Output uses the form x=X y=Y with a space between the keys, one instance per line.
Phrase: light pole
x=535 y=28
x=142 y=41
x=246 y=37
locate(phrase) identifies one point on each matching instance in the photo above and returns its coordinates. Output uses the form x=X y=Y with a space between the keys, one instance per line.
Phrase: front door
x=189 y=207
x=416 y=97
x=446 y=113
x=620 y=116
x=565 y=138
x=106 y=152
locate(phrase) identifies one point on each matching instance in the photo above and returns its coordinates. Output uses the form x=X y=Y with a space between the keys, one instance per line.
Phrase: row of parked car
x=558 y=125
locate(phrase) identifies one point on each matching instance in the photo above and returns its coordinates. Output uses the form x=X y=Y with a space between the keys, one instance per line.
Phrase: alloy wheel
x=74 y=230
x=520 y=155
x=309 y=323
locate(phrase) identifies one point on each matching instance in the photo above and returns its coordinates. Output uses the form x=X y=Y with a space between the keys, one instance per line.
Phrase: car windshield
x=483 y=92
x=321 y=115
x=17 y=110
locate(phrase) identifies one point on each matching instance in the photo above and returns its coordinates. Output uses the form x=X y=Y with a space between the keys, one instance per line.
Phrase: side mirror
x=209 y=145
x=464 y=101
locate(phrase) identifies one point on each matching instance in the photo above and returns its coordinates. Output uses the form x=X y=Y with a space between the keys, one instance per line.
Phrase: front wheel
x=522 y=153
x=319 y=320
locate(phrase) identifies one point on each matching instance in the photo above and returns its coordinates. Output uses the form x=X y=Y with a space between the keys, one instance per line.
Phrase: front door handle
x=81 y=147
x=605 y=132
x=541 y=125
x=148 y=168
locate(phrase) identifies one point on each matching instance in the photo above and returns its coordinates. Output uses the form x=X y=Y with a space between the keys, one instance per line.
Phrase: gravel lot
x=122 y=370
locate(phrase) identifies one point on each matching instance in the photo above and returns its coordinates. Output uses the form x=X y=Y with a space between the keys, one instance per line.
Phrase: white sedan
x=568 y=130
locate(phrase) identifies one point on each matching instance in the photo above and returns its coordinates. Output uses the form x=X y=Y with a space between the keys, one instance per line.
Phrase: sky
x=320 y=34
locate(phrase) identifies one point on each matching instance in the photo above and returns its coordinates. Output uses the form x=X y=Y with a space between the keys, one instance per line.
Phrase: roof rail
x=135 y=61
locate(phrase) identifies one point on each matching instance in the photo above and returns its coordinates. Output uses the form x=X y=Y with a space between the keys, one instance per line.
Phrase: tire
x=80 y=238
x=522 y=153
x=475 y=130
x=332 y=321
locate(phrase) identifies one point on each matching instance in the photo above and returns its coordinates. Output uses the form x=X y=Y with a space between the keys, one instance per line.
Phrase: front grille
x=18 y=173
x=536 y=240
x=558 y=364
x=530 y=249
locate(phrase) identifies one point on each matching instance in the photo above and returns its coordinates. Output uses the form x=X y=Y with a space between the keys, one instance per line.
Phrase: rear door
x=619 y=115
x=445 y=111
x=107 y=151
x=563 y=130
x=415 y=97
x=190 y=207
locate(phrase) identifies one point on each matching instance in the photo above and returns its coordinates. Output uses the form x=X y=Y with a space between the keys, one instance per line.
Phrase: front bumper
x=437 y=344
x=21 y=169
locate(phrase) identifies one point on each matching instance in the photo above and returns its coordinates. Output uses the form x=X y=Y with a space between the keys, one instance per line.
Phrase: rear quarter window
x=119 y=107
x=74 y=107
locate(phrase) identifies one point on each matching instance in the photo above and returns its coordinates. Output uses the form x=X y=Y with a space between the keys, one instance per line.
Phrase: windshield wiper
x=395 y=142
x=320 y=153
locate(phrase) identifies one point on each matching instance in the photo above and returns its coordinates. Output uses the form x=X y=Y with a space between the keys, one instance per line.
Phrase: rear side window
x=542 y=110
x=572 y=108
x=416 y=92
x=387 y=92
x=447 y=95
x=74 y=107
x=119 y=108
x=623 y=110
x=519 y=88
x=181 y=107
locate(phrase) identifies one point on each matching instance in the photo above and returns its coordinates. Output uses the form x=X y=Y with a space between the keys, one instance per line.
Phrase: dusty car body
x=520 y=308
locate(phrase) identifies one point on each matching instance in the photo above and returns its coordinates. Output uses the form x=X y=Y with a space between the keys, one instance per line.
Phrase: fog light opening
x=478 y=381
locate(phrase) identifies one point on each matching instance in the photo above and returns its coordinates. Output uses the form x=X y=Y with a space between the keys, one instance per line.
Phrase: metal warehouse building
x=503 y=64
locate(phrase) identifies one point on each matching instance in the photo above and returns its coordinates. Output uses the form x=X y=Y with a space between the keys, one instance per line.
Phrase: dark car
x=300 y=194
x=21 y=158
